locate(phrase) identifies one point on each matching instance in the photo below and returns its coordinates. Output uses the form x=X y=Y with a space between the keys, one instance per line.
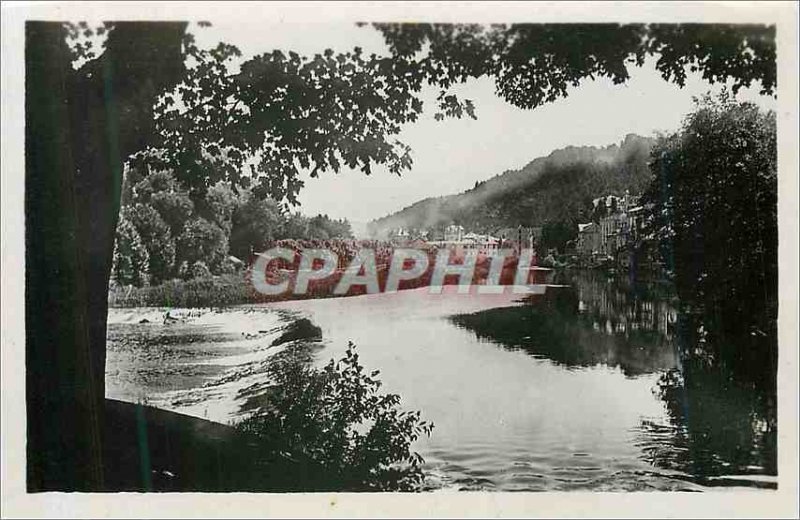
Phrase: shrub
x=336 y=417
x=200 y=270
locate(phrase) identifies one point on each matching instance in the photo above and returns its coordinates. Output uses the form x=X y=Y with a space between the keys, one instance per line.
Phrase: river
x=577 y=389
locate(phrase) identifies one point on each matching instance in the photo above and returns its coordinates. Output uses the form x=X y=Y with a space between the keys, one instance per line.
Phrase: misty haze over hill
x=556 y=188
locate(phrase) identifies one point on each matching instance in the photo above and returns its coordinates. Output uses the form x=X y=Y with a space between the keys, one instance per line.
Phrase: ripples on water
x=579 y=389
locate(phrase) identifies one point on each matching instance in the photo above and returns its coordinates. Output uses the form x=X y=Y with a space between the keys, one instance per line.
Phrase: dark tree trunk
x=80 y=128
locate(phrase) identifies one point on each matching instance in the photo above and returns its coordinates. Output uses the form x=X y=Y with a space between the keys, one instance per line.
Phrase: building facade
x=616 y=228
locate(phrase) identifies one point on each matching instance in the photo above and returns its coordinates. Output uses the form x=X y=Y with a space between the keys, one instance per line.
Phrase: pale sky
x=451 y=155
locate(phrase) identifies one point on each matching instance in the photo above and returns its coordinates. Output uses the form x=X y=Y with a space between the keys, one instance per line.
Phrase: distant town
x=614 y=237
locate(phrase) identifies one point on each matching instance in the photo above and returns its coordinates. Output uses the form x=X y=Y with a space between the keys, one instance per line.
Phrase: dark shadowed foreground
x=155 y=450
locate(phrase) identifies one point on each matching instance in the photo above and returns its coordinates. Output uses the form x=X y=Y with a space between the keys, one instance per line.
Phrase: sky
x=451 y=155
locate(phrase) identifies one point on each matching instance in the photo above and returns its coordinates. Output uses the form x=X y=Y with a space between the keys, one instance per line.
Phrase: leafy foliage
x=177 y=230
x=714 y=214
x=256 y=222
x=262 y=121
x=199 y=269
x=283 y=113
x=336 y=417
x=161 y=191
x=130 y=255
x=322 y=227
x=742 y=53
x=556 y=234
x=157 y=240
x=85 y=42
x=202 y=241
x=221 y=203
x=533 y=64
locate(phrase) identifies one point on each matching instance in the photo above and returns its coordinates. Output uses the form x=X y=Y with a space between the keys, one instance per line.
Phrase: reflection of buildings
x=618 y=308
x=589 y=321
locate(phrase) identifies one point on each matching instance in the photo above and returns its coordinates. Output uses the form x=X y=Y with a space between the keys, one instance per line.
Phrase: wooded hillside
x=557 y=188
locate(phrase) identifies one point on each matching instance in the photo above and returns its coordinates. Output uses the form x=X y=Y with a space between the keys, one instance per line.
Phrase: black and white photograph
x=342 y=254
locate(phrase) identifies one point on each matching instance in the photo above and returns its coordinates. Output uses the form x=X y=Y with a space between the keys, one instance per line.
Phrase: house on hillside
x=616 y=230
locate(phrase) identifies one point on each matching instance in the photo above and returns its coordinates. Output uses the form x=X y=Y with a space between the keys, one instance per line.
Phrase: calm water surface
x=577 y=389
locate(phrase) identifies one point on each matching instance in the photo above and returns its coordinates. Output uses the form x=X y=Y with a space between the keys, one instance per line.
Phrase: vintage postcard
x=394 y=259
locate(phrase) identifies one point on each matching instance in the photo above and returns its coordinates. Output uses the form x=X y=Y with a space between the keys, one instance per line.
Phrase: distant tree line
x=165 y=231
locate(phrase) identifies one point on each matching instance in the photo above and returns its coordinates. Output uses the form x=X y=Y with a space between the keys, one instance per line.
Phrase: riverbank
x=202 y=362
x=170 y=371
x=289 y=421
x=218 y=291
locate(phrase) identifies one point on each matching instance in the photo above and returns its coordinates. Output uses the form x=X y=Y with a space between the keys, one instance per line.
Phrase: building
x=454 y=233
x=481 y=241
x=455 y=238
x=616 y=228
x=520 y=236
x=588 y=242
x=399 y=235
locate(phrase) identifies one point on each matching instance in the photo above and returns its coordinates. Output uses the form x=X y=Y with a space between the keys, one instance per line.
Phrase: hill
x=556 y=189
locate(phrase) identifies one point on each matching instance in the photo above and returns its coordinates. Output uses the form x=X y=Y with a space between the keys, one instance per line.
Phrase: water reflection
x=717 y=430
x=595 y=386
x=588 y=323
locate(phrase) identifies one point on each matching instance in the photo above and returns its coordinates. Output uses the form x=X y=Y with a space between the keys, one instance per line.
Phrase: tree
x=255 y=223
x=202 y=241
x=161 y=191
x=80 y=126
x=157 y=240
x=533 y=64
x=714 y=214
x=322 y=227
x=221 y=202
x=279 y=114
x=131 y=260
x=556 y=234
x=295 y=225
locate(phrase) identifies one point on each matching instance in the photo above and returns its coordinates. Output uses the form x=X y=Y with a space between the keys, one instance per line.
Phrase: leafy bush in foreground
x=336 y=417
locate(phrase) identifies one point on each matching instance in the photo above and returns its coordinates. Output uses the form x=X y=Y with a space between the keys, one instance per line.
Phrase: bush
x=200 y=270
x=336 y=417
x=217 y=291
